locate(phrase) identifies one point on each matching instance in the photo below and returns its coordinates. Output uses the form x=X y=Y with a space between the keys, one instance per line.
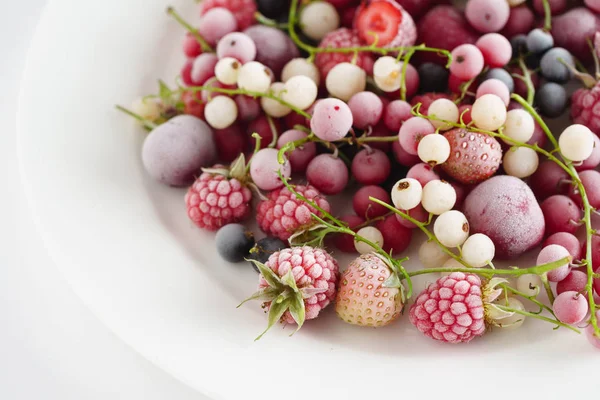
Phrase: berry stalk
x=149 y=125
x=538 y=316
x=203 y=43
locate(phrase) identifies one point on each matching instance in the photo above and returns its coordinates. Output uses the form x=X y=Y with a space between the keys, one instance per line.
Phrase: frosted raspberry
x=585 y=108
x=339 y=38
x=214 y=201
x=243 y=10
x=282 y=214
x=451 y=309
x=312 y=268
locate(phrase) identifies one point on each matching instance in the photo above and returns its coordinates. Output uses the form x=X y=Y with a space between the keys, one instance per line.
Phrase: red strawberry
x=444 y=27
x=385 y=22
x=474 y=157
x=339 y=38
x=364 y=298
x=243 y=10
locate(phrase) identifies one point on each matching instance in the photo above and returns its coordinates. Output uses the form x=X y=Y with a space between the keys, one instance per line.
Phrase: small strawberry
x=220 y=196
x=385 y=23
x=367 y=296
x=243 y=10
x=340 y=38
x=296 y=284
x=474 y=157
x=444 y=27
x=456 y=308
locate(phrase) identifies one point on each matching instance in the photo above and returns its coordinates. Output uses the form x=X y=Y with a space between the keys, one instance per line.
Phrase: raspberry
x=282 y=214
x=342 y=38
x=243 y=10
x=451 y=309
x=585 y=108
x=426 y=99
x=214 y=201
x=313 y=269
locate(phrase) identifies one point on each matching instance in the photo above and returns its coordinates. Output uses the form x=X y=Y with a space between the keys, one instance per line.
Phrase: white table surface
x=51 y=346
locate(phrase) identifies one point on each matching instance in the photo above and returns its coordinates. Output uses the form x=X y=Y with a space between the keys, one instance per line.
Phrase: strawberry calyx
x=283 y=295
x=394 y=280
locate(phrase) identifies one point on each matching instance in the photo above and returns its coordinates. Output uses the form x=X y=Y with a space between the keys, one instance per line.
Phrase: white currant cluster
x=318 y=18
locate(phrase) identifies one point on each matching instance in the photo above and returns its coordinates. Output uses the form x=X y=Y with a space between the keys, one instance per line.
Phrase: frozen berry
x=234 y=242
x=264 y=248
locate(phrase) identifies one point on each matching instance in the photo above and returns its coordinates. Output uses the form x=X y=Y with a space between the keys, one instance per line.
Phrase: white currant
x=272 y=107
x=438 y=197
x=443 y=109
x=371 y=234
x=451 y=228
x=576 y=142
x=521 y=162
x=431 y=255
x=300 y=91
x=300 y=66
x=489 y=112
x=254 y=77
x=221 y=112
x=434 y=149
x=345 y=80
x=519 y=125
x=387 y=73
x=478 y=250
x=318 y=18
x=407 y=193
x=227 y=70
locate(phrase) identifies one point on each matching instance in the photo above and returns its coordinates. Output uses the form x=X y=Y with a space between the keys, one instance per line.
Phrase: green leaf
x=164 y=92
x=266 y=294
x=289 y=280
x=275 y=313
x=298 y=311
x=271 y=277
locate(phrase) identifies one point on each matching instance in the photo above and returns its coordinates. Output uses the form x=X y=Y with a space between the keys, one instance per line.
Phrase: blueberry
x=273 y=8
x=234 y=242
x=264 y=248
x=502 y=75
x=551 y=99
x=433 y=78
x=553 y=65
x=538 y=41
x=519 y=44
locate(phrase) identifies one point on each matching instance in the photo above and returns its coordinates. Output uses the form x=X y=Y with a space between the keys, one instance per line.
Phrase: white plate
x=125 y=245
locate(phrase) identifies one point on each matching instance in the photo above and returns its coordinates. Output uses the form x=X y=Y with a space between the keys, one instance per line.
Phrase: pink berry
x=331 y=120
x=496 y=87
x=589 y=332
x=274 y=48
x=237 y=45
x=487 y=15
x=575 y=281
x=367 y=208
x=396 y=113
x=566 y=240
x=561 y=214
x=366 y=108
x=570 y=307
x=380 y=130
x=327 y=173
x=411 y=133
x=458 y=85
x=496 y=49
x=371 y=167
x=248 y=108
x=593 y=5
x=548 y=180
x=418 y=213
x=520 y=21
x=422 y=172
x=465 y=112
x=591 y=184
x=216 y=23
x=554 y=253
x=231 y=142
x=186 y=73
x=396 y=237
x=556 y=6
x=412 y=81
x=343 y=241
x=592 y=161
x=301 y=156
x=264 y=167
x=203 y=68
x=467 y=62
x=191 y=47
x=404 y=158
x=263 y=129
x=461 y=193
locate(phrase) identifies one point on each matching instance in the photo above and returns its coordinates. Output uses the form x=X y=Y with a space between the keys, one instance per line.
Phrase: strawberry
x=365 y=296
x=386 y=23
x=474 y=157
x=444 y=27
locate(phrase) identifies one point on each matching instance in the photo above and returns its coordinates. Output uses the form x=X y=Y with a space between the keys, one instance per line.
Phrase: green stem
x=548 y=288
x=203 y=43
x=528 y=81
x=547 y=16
x=537 y=117
x=404 y=69
x=533 y=299
x=147 y=124
x=261 y=19
x=540 y=317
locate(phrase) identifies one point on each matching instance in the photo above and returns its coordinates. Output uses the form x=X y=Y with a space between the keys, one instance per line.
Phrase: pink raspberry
x=313 y=269
x=339 y=38
x=215 y=200
x=451 y=309
x=243 y=10
x=283 y=214
x=585 y=108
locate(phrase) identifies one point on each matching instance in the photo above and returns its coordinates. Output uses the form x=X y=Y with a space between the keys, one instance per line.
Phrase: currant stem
x=528 y=82
x=147 y=124
x=540 y=317
x=203 y=43
x=548 y=288
x=530 y=298
x=261 y=19
x=547 y=16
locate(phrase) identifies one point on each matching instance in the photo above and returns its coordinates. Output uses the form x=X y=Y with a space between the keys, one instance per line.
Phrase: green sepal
x=310 y=292
x=266 y=294
x=392 y=282
x=297 y=310
x=276 y=311
x=271 y=277
x=288 y=279
x=237 y=169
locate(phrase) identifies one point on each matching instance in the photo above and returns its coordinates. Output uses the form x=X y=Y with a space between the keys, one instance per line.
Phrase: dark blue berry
x=273 y=8
x=234 y=242
x=433 y=78
x=538 y=41
x=502 y=75
x=552 y=65
x=264 y=248
x=551 y=99
x=519 y=44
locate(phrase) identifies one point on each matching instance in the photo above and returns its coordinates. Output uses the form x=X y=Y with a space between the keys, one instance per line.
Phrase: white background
x=51 y=346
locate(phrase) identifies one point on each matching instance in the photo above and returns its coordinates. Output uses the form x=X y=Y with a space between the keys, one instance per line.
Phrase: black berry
x=273 y=8
x=264 y=248
x=234 y=242
x=502 y=75
x=433 y=78
x=551 y=99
